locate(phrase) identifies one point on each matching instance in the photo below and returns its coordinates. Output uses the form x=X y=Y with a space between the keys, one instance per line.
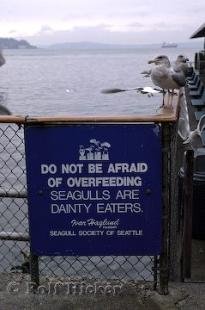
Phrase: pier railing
x=14 y=229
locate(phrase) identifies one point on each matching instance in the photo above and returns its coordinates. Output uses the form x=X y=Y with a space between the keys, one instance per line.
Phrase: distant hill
x=88 y=45
x=10 y=43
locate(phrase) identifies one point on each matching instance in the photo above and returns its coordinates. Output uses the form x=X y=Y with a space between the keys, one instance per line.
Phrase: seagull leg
x=163 y=95
x=170 y=98
x=171 y=92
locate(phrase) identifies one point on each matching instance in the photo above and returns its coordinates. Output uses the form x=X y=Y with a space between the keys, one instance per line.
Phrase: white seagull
x=164 y=76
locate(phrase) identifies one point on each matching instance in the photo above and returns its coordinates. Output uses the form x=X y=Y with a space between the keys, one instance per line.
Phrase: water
x=69 y=82
x=50 y=82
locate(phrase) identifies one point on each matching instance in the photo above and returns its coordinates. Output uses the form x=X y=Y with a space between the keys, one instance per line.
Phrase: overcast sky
x=106 y=21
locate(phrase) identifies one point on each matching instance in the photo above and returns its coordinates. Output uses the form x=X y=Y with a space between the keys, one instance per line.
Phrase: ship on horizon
x=169 y=44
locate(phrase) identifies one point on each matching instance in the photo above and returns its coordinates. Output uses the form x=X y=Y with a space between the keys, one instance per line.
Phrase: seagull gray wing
x=179 y=78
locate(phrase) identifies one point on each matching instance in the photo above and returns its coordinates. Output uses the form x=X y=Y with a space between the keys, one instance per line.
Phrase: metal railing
x=14 y=231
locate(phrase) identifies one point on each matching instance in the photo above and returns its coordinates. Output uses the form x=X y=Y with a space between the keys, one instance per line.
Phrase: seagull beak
x=152 y=61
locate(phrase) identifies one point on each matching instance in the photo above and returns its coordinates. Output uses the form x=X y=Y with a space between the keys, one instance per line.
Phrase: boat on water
x=169 y=44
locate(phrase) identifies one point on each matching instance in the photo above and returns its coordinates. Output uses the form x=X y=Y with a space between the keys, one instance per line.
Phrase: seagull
x=181 y=64
x=164 y=76
x=148 y=90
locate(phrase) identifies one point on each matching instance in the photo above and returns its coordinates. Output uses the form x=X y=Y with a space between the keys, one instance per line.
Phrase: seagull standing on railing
x=164 y=76
x=182 y=64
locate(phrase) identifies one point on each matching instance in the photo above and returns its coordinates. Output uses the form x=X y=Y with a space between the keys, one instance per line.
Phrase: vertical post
x=34 y=270
x=188 y=201
x=155 y=270
x=166 y=180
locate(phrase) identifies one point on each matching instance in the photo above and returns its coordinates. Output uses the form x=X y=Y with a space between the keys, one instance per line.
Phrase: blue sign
x=94 y=189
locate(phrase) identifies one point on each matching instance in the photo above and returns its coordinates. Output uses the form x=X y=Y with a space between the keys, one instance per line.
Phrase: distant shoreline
x=10 y=43
x=102 y=46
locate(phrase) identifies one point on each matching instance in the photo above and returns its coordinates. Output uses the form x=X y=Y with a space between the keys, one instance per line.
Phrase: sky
x=44 y=22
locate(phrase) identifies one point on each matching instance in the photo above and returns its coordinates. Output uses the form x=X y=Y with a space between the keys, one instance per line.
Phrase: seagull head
x=160 y=60
x=182 y=58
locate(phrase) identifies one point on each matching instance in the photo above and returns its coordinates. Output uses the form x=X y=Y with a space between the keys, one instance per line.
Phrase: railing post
x=166 y=182
x=34 y=270
x=188 y=201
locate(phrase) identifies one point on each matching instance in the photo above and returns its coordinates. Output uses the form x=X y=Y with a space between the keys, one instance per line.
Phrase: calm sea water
x=64 y=82
x=69 y=82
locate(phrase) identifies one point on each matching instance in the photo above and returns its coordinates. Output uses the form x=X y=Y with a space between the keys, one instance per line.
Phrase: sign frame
x=95 y=244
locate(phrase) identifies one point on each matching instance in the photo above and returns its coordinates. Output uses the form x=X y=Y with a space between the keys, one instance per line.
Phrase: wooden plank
x=14 y=236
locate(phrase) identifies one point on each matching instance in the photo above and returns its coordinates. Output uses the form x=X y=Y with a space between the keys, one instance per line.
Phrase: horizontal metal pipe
x=13 y=194
x=14 y=236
